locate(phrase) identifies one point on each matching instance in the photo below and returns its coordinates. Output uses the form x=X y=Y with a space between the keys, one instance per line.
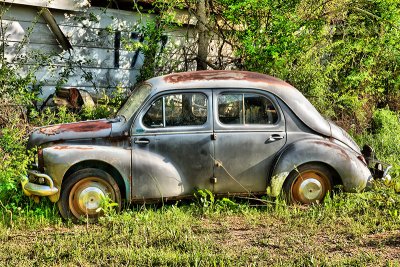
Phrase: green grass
x=361 y=229
x=348 y=229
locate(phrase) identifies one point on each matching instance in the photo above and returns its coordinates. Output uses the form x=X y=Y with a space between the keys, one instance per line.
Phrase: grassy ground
x=348 y=229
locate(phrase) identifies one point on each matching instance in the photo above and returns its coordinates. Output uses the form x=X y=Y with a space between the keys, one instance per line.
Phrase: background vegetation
x=343 y=55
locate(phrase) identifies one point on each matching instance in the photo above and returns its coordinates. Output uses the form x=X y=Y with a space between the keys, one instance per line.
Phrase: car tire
x=82 y=193
x=307 y=184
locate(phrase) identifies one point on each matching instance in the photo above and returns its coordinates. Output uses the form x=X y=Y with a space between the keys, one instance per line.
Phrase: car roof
x=214 y=78
x=231 y=79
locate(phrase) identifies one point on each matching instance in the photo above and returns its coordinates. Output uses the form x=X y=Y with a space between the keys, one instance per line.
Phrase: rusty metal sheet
x=87 y=126
x=70 y=131
x=221 y=75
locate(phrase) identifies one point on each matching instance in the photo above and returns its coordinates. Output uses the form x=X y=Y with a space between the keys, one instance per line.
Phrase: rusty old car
x=231 y=132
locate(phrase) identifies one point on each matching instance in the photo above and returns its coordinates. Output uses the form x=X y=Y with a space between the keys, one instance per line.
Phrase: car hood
x=70 y=131
x=341 y=135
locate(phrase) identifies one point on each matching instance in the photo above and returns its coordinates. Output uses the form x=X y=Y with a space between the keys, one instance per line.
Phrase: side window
x=154 y=116
x=246 y=109
x=230 y=108
x=186 y=109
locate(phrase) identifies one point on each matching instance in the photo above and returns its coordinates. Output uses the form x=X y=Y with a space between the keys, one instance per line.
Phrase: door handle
x=141 y=141
x=275 y=137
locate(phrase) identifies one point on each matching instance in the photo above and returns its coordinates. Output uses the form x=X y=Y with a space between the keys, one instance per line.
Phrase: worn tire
x=82 y=191
x=307 y=184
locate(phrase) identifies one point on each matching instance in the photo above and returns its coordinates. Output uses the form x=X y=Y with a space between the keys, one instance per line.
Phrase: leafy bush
x=106 y=107
x=384 y=137
x=14 y=162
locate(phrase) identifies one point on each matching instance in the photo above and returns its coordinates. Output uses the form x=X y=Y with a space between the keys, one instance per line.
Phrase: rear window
x=246 y=109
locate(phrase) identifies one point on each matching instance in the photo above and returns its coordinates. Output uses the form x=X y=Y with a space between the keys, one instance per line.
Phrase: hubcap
x=310 y=187
x=86 y=196
x=90 y=198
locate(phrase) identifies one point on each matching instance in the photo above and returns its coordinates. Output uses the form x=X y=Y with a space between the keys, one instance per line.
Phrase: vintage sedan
x=230 y=132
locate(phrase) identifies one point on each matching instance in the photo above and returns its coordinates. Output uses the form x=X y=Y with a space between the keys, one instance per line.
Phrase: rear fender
x=354 y=174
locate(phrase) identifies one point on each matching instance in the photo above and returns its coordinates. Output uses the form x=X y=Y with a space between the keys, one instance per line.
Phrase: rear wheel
x=308 y=184
x=83 y=192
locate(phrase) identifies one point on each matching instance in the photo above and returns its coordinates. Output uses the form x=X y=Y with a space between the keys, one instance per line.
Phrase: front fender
x=58 y=159
x=353 y=173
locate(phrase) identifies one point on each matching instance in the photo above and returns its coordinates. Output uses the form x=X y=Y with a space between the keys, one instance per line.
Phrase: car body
x=231 y=132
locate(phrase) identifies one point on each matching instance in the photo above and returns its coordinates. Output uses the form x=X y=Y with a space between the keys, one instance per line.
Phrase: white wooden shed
x=83 y=41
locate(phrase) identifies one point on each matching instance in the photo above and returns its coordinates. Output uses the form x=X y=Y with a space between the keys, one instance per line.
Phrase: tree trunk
x=203 y=34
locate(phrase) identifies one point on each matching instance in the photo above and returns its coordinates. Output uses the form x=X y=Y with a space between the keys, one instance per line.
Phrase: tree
x=202 y=14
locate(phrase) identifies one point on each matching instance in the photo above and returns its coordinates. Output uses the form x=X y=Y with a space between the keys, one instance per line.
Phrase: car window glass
x=133 y=103
x=154 y=116
x=230 y=108
x=259 y=110
x=186 y=109
x=246 y=109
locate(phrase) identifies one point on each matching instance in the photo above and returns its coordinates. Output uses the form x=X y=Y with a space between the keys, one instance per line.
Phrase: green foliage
x=208 y=204
x=52 y=116
x=343 y=55
x=107 y=208
x=106 y=107
x=14 y=163
x=384 y=137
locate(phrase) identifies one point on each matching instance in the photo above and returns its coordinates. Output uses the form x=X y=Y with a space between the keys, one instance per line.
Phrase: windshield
x=134 y=101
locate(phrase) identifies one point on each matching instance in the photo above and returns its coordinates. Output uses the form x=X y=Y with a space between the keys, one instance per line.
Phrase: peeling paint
x=221 y=75
x=87 y=126
x=275 y=187
x=341 y=151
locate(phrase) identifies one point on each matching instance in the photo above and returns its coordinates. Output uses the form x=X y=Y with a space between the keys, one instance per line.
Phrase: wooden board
x=57 y=4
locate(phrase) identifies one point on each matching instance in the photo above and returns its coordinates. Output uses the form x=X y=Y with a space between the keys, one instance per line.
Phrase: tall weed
x=384 y=137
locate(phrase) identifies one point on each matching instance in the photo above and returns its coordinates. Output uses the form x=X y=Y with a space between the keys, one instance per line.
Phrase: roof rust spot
x=86 y=126
x=210 y=75
x=72 y=147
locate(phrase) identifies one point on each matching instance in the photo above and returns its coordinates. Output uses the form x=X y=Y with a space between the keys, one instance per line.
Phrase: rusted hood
x=70 y=131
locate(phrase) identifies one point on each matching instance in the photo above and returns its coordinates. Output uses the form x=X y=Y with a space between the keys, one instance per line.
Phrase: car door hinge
x=214 y=136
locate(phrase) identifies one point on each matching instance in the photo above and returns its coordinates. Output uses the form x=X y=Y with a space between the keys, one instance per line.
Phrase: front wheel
x=83 y=192
x=308 y=184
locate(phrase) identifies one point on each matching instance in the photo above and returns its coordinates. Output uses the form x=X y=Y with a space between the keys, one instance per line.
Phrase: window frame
x=138 y=127
x=278 y=125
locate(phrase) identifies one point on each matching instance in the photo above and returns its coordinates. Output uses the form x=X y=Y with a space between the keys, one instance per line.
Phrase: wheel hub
x=86 y=196
x=90 y=199
x=310 y=189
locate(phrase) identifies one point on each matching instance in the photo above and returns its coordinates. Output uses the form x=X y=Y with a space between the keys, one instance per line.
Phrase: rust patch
x=72 y=147
x=210 y=75
x=87 y=126
x=74 y=97
x=342 y=151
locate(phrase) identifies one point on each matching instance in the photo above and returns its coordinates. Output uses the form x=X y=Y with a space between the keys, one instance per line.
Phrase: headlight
x=40 y=160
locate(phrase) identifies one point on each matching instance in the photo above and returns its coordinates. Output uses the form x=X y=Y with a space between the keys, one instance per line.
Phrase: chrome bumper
x=379 y=169
x=36 y=189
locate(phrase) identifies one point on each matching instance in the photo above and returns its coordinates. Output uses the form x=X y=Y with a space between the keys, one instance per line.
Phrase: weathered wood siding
x=98 y=60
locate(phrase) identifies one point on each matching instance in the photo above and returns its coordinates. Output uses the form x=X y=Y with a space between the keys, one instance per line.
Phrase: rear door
x=249 y=129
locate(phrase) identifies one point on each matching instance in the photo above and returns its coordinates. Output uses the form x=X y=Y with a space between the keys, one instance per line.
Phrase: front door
x=171 y=145
x=249 y=130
